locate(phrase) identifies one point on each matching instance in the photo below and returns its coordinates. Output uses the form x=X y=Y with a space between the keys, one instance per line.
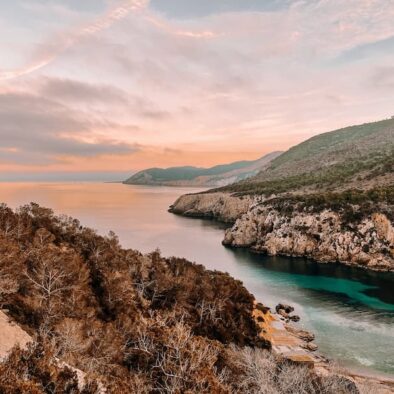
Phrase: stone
x=302 y=334
x=262 y=308
x=310 y=346
x=282 y=313
x=287 y=308
x=319 y=236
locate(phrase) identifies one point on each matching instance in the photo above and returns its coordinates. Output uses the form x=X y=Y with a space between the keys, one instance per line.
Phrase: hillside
x=101 y=318
x=330 y=198
x=357 y=156
x=192 y=176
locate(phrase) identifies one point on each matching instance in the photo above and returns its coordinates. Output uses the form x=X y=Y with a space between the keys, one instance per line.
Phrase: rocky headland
x=220 y=206
x=330 y=198
x=325 y=235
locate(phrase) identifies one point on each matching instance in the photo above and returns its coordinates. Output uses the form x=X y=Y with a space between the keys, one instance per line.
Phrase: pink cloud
x=70 y=39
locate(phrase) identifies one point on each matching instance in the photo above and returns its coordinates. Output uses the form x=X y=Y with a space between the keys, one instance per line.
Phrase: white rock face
x=11 y=335
x=220 y=206
x=320 y=236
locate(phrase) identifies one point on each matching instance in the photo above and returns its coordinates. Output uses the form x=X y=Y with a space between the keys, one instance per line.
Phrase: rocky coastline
x=296 y=345
x=322 y=236
x=219 y=206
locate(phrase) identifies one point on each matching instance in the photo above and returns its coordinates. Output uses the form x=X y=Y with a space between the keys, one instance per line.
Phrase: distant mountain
x=220 y=175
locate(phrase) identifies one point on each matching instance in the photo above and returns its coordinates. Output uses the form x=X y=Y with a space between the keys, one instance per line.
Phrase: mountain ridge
x=355 y=156
x=218 y=175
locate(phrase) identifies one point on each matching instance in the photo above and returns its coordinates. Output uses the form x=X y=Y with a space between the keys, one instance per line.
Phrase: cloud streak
x=69 y=40
x=115 y=15
x=248 y=79
x=169 y=29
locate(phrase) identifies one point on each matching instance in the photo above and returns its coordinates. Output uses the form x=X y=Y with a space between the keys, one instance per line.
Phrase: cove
x=351 y=311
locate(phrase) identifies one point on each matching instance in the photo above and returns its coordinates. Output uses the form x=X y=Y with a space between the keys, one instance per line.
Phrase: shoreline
x=225 y=210
x=229 y=224
x=290 y=343
x=323 y=236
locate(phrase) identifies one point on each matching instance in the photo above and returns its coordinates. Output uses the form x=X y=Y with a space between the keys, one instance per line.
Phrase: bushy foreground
x=107 y=318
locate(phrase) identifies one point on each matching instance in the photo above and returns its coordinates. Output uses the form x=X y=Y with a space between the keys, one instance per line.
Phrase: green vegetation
x=353 y=205
x=330 y=177
x=350 y=141
x=354 y=157
x=239 y=169
x=186 y=173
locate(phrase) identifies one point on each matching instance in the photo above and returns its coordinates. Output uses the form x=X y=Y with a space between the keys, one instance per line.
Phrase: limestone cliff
x=322 y=236
x=219 y=206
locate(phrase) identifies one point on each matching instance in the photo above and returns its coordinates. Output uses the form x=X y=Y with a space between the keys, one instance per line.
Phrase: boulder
x=310 y=346
x=287 y=308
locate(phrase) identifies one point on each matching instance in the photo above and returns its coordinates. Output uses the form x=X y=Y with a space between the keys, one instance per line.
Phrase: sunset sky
x=107 y=86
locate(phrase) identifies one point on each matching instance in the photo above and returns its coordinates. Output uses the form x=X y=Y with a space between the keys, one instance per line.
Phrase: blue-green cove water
x=351 y=311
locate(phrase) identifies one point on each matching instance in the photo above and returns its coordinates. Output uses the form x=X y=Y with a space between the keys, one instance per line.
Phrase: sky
x=110 y=87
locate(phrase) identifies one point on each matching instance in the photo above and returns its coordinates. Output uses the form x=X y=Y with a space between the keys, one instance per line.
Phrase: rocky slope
x=354 y=157
x=320 y=233
x=220 y=175
x=11 y=335
x=321 y=236
x=219 y=206
x=91 y=317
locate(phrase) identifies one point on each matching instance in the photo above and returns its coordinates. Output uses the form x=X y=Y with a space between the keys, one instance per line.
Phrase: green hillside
x=220 y=174
x=348 y=142
x=354 y=157
x=187 y=172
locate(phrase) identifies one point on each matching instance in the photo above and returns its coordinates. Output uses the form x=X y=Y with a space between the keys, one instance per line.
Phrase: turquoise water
x=351 y=311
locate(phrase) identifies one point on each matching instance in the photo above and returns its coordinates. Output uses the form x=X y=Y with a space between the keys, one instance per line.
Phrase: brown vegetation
x=132 y=323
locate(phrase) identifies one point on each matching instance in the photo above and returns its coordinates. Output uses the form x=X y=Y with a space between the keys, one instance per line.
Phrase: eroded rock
x=220 y=206
x=320 y=236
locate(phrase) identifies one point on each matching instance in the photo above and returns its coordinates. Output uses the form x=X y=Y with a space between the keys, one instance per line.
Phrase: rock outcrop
x=321 y=236
x=11 y=335
x=219 y=206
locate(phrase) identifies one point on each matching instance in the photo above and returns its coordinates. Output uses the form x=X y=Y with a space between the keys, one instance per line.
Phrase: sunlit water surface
x=350 y=311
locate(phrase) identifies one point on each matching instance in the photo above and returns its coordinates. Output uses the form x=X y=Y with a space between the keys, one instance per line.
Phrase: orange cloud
x=146 y=158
